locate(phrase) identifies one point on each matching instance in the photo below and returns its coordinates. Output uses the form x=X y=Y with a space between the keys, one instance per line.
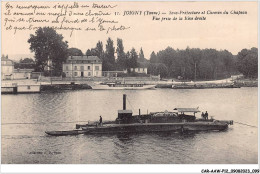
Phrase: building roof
x=186 y=109
x=83 y=58
x=5 y=59
x=6 y=62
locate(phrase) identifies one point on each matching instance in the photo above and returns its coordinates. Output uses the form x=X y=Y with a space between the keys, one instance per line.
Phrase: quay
x=59 y=83
x=15 y=88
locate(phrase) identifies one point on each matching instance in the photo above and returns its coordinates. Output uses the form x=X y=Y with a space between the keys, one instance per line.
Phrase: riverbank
x=56 y=84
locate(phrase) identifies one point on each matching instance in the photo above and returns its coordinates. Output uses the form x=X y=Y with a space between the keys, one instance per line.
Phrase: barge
x=203 y=86
x=176 y=121
x=121 y=86
x=20 y=88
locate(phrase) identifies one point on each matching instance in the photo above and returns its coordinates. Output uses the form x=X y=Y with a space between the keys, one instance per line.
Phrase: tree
x=74 y=52
x=109 y=59
x=133 y=59
x=153 y=58
x=141 y=56
x=195 y=56
x=121 y=57
x=27 y=60
x=88 y=53
x=26 y=63
x=162 y=70
x=100 y=51
x=247 y=62
x=127 y=57
x=48 y=45
x=158 y=69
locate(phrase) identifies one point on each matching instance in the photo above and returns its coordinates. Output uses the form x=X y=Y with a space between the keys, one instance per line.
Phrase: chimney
x=124 y=101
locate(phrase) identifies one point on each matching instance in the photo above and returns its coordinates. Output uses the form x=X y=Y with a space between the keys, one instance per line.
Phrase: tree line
x=190 y=63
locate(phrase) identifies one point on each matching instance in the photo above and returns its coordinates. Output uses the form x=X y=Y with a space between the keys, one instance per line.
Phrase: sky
x=232 y=32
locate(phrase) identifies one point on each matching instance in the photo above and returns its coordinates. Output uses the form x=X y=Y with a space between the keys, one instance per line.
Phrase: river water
x=25 y=117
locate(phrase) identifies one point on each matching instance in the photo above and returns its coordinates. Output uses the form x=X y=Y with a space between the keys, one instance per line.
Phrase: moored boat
x=203 y=85
x=121 y=86
x=63 y=133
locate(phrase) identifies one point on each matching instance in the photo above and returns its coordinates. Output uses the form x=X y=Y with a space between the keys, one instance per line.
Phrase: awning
x=186 y=110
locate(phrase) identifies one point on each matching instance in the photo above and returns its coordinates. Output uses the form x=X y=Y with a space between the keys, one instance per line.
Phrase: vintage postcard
x=99 y=82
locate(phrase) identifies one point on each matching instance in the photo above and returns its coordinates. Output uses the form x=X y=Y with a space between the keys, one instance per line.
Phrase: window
x=82 y=68
x=88 y=67
x=28 y=87
x=75 y=74
x=75 y=67
x=138 y=69
x=89 y=73
x=67 y=68
x=143 y=69
x=96 y=68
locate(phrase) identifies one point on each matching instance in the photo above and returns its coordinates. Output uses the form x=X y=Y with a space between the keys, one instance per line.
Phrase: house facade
x=22 y=73
x=139 y=70
x=82 y=66
x=7 y=68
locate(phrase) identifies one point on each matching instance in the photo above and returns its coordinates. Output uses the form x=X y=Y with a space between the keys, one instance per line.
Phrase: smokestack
x=139 y=112
x=124 y=101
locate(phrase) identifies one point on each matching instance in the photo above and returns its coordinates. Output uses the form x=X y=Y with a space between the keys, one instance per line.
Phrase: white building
x=22 y=73
x=7 y=68
x=139 y=70
x=82 y=66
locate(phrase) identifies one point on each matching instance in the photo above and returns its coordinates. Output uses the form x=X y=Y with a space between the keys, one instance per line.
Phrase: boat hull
x=156 y=127
x=106 y=87
x=64 y=133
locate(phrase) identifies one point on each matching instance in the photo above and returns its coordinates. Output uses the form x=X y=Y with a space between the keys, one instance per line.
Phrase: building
x=22 y=73
x=82 y=66
x=7 y=68
x=142 y=70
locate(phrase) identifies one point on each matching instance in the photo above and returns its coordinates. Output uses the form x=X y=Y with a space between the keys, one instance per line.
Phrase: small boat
x=176 y=121
x=63 y=133
x=122 y=86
